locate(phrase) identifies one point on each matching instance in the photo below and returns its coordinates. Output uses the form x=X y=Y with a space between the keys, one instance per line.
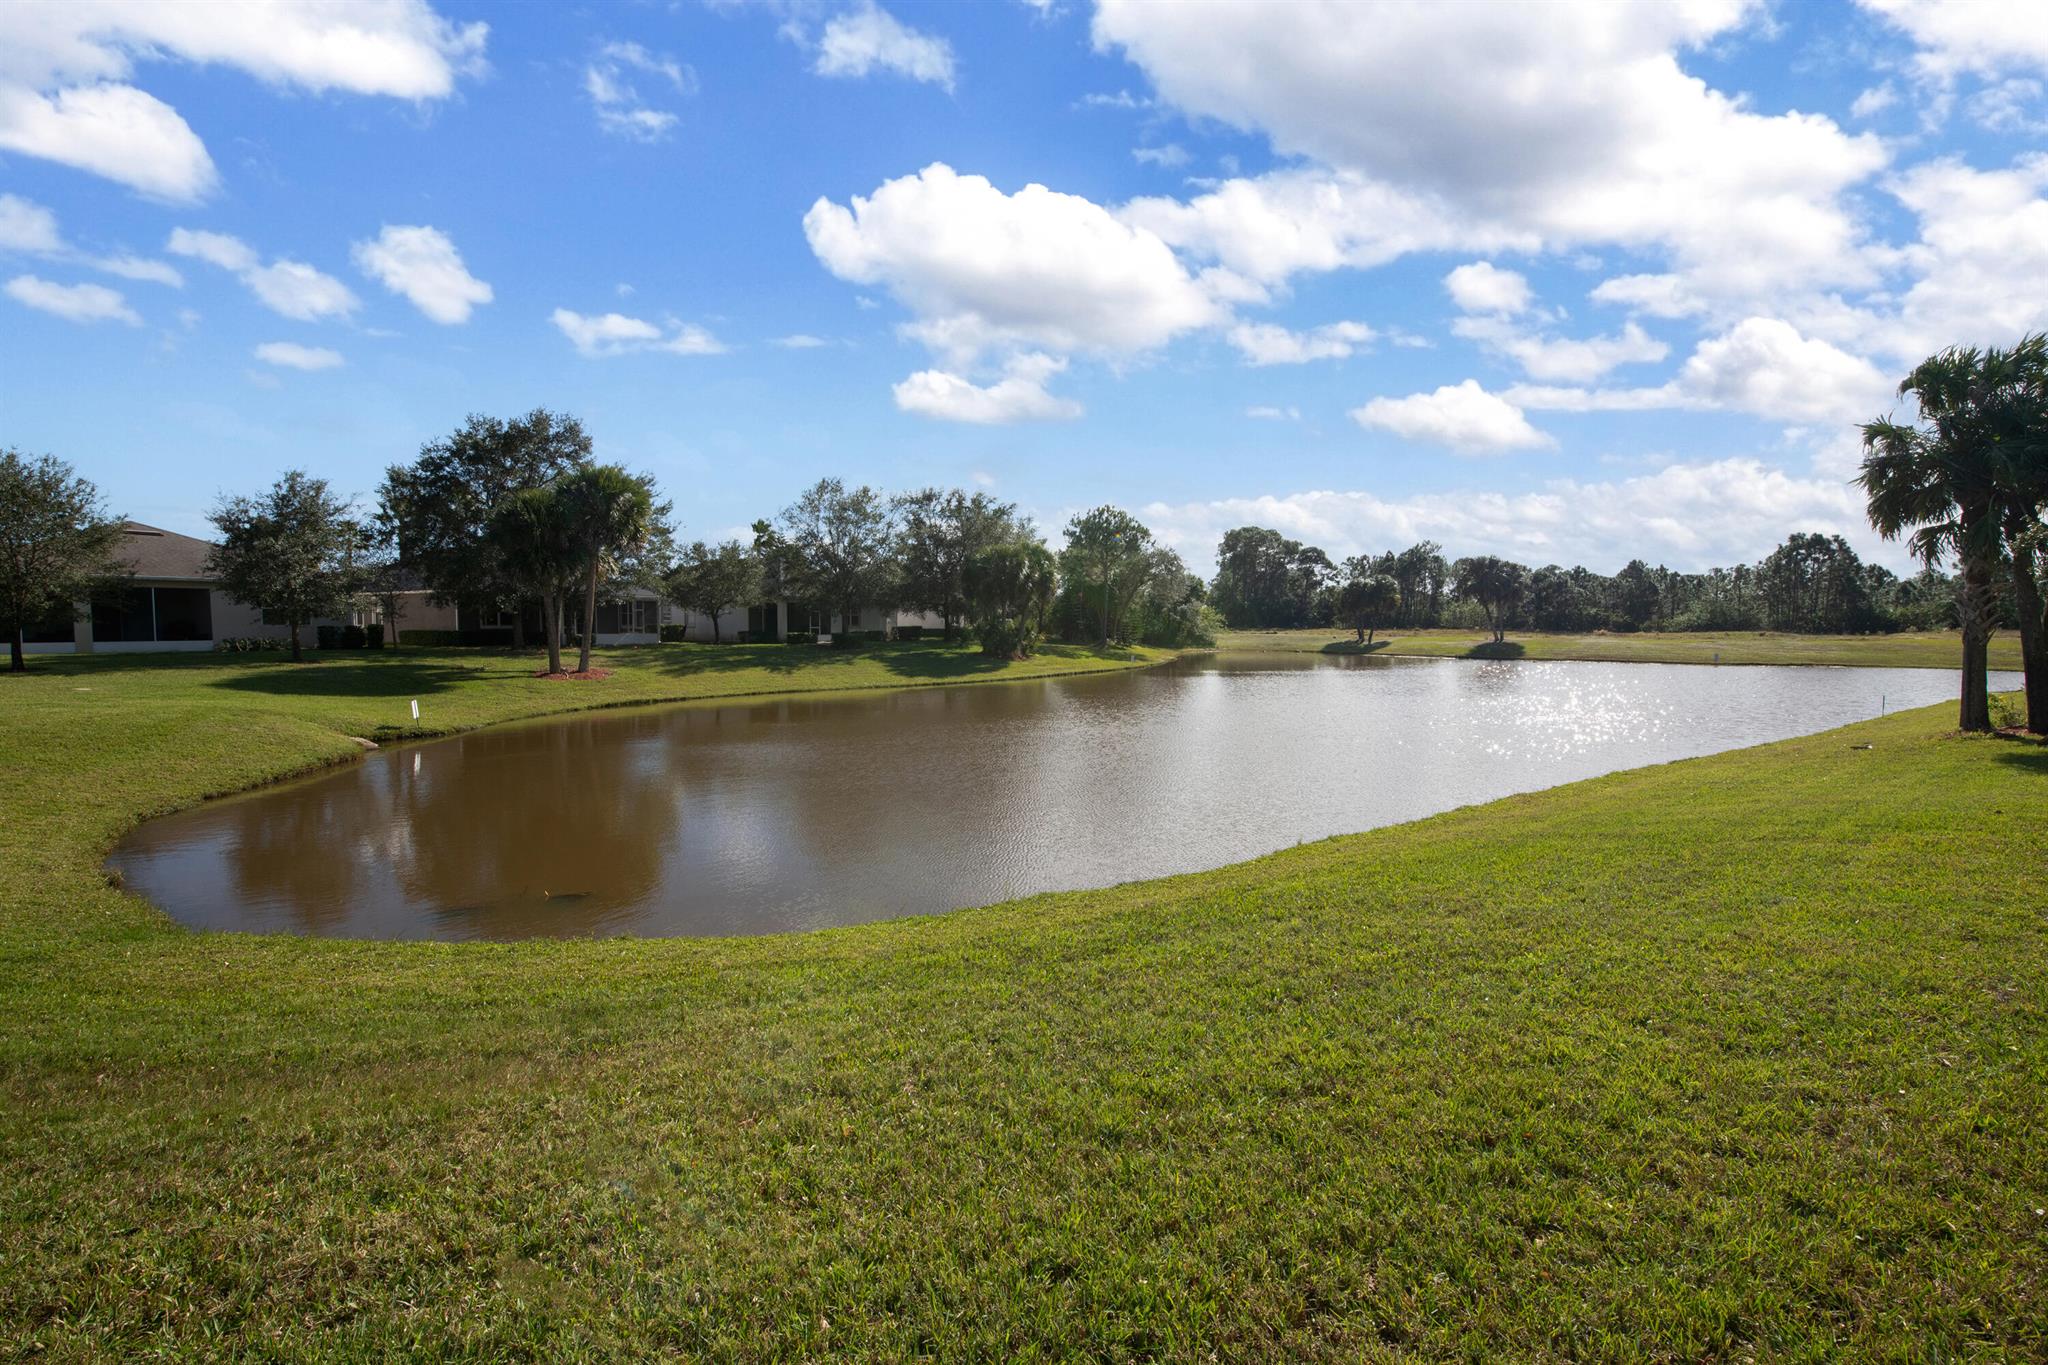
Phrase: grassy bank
x=369 y=692
x=1910 y=649
x=1740 y=1058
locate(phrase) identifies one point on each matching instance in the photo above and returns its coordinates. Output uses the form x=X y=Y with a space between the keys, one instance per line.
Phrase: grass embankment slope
x=1909 y=649
x=1740 y=1058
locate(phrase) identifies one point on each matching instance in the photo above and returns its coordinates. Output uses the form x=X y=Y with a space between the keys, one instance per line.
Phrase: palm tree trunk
x=1974 y=713
x=296 y=656
x=551 y=622
x=2026 y=592
x=15 y=662
x=589 y=620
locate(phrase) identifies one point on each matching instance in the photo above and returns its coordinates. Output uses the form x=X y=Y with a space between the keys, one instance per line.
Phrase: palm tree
x=1938 y=480
x=610 y=511
x=537 y=546
x=2017 y=387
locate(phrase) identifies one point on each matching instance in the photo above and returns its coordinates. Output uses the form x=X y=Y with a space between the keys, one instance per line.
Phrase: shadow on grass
x=2028 y=753
x=1497 y=649
x=370 y=676
x=1356 y=646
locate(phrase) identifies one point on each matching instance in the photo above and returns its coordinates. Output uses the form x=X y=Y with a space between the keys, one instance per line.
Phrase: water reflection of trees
x=544 y=829
x=559 y=829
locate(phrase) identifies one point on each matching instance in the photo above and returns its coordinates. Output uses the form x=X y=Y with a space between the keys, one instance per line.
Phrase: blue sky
x=1574 y=282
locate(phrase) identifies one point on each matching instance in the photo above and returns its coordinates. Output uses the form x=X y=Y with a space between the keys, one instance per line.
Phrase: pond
x=761 y=817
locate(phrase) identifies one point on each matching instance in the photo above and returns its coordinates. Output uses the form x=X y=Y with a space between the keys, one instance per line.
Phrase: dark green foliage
x=534 y=543
x=1496 y=586
x=438 y=509
x=609 y=513
x=56 y=545
x=1112 y=565
x=937 y=534
x=833 y=546
x=1010 y=590
x=1367 y=604
x=1265 y=581
x=1968 y=484
x=290 y=551
x=713 y=579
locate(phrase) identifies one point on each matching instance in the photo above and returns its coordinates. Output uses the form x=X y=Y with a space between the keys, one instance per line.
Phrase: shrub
x=353 y=637
x=249 y=644
x=327 y=637
x=910 y=632
x=373 y=635
x=802 y=637
x=673 y=634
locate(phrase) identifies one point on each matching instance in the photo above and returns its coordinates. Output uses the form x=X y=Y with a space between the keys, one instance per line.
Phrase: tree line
x=1811 y=585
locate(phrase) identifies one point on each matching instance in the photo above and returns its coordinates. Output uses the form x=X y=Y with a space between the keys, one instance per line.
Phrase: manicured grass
x=1739 y=1059
x=1911 y=649
x=369 y=692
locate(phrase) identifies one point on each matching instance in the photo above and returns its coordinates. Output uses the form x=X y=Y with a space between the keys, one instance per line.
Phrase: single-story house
x=170 y=603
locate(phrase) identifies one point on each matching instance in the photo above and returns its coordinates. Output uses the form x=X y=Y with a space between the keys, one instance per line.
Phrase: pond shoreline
x=927 y=800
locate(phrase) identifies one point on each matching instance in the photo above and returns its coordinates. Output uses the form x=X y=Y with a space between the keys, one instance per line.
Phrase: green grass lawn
x=1909 y=649
x=1741 y=1058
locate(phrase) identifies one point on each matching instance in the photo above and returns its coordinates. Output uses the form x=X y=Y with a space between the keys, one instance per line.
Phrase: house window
x=123 y=617
x=140 y=615
x=183 y=614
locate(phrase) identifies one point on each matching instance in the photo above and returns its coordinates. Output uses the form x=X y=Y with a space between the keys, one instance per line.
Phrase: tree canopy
x=610 y=512
x=537 y=549
x=438 y=509
x=1111 y=559
x=1495 y=585
x=1010 y=590
x=713 y=579
x=834 y=546
x=1965 y=483
x=57 y=545
x=937 y=534
x=289 y=551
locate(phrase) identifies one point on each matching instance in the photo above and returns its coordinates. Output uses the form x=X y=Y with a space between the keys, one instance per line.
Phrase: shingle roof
x=152 y=552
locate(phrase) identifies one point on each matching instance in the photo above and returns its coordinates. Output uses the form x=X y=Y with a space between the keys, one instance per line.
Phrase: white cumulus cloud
x=1567 y=123
x=288 y=288
x=72 y=302
x=1036 y=269
x=292 y=356
x=868 y=38
x=1019 y=396
x=609 y=80
x=30 y=229
x=1265 y=343
x=1762 y=366
x=610 y=334
x=65 y=69
x=1464 y=417
x=1483 y=287
x=424 y=266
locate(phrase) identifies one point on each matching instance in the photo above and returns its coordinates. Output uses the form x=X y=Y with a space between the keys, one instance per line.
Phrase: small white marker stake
x=415 y=708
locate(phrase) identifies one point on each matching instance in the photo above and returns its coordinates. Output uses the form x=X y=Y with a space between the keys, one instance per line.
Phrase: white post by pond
x=415 y=708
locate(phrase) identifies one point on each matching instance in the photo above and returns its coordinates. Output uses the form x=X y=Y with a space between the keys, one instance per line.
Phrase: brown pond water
x=796 y=814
